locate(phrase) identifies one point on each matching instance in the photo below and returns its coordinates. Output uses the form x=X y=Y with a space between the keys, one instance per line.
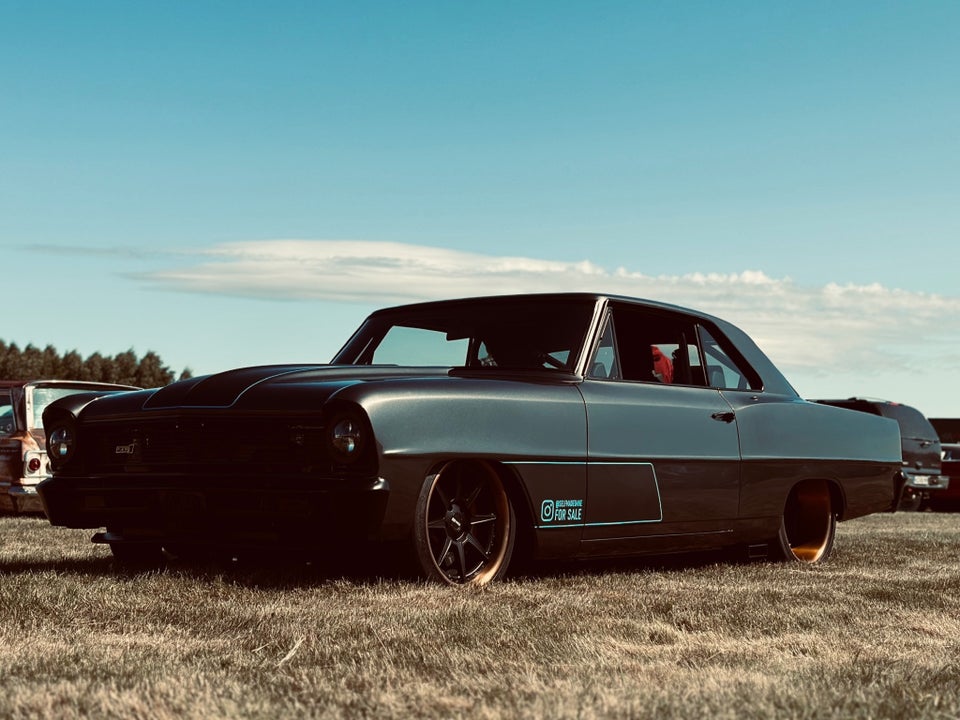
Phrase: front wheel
x=465 y=527
x=137 y=555
x=808 y=524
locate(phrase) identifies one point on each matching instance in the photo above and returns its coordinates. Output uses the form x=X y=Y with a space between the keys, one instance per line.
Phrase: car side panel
x=784 y=440
x=664 y=462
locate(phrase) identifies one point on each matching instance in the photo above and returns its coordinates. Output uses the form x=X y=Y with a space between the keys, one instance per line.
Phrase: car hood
x=254 y=389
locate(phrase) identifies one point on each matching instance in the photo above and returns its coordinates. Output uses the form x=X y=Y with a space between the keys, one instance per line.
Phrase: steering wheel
x=550 y=360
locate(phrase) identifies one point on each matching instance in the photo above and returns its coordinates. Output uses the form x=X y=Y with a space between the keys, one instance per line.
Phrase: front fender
x=495 y=419
x=421 y=424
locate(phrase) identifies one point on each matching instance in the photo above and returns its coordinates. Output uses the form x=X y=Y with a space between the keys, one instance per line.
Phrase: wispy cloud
x=814 y=329
x=116 y=252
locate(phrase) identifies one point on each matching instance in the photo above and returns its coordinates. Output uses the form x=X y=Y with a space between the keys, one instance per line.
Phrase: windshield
x=511 y=333
x=44 y=396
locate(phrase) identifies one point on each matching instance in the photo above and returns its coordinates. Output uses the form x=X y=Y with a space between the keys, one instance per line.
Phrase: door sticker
x=561 y=511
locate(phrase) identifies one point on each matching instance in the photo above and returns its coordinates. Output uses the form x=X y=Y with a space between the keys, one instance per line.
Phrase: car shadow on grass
x=375 y=565
x=379 y=567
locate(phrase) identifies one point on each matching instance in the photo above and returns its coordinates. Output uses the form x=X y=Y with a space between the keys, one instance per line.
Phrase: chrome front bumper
x=18 y=499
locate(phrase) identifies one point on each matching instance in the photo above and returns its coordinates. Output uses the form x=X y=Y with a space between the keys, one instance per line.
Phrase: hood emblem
x=130 y=449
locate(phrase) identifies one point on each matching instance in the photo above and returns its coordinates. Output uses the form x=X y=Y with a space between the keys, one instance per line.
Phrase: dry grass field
x=874 y=633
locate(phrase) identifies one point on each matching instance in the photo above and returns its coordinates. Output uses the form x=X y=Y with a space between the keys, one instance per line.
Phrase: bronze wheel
x=465 y=529
x=808 y=524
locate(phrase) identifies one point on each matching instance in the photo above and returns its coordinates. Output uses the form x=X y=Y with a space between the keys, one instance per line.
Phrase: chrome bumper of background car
x=928 y=482
x=19 y=499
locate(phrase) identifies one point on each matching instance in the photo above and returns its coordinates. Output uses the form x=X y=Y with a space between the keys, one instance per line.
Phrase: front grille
x=235 y=445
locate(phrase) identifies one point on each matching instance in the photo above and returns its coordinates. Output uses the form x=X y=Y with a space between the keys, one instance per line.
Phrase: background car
x=23 y=455
x=920 y=447
x=947 y=497
x=471 y=431
x=6 y=410
x=948 y=429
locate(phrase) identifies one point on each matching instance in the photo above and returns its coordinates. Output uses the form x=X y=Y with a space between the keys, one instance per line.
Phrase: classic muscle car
x=23 y=455
x=554 y=425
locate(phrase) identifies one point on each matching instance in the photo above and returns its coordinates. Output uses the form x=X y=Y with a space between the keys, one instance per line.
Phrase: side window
x=647 y=346
x=721 y=370
x=683 y=360
x=605 y=365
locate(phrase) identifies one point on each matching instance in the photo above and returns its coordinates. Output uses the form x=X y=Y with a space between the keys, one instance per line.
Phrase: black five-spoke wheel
x=465 y=525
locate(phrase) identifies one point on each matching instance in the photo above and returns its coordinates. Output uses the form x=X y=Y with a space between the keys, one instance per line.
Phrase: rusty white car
x=23 y=455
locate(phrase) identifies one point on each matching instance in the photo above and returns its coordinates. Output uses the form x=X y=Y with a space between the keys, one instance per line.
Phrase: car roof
x=498 y=299
x=773 y=379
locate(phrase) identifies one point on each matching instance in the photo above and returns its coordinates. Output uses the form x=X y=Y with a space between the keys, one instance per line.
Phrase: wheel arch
x=838 y=499
x=833 y=487
x=808 y=521
x=525 y=547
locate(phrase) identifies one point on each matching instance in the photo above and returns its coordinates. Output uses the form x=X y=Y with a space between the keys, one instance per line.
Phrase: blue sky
x=230 y=183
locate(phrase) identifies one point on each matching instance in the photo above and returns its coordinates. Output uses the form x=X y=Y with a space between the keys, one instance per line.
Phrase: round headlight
x=346 y=439
x=60 y=445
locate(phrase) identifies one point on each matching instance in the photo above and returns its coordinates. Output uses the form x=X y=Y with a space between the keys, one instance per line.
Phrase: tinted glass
x=416 y=346
x=912 y=422
x=605 y=365
x=722 y=371
x=648 y=346
x=518 y=334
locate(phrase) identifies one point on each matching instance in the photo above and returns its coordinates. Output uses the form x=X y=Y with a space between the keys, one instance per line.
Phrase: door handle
x=725 y=416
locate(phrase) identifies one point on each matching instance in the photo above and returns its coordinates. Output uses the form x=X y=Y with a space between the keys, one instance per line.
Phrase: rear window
x=44 y=396
x=912 y=422
x=858 y=405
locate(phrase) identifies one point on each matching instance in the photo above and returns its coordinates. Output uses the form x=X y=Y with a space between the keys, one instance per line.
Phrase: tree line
x=32 y=363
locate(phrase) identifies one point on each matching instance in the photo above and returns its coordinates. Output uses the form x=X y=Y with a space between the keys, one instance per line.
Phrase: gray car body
x=594 y=467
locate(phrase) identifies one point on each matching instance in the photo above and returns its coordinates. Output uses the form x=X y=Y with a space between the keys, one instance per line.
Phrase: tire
x=911 y=501
x=191 y=553
x=141 y=555
x=465 y=525
x=808 y=524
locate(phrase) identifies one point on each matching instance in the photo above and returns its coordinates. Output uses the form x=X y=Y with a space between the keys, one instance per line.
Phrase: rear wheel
x=808 y=524
x=465 y=526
